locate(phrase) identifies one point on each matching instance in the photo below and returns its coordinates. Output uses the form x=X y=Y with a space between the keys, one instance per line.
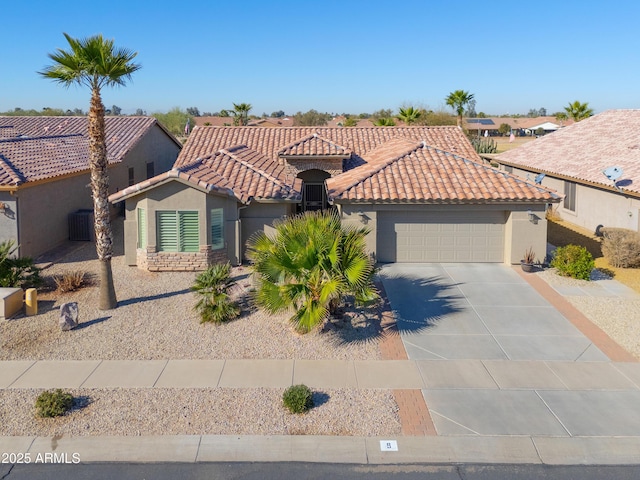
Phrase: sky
x=345 y=56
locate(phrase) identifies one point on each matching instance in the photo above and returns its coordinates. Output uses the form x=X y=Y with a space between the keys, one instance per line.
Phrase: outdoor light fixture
x=3 y=207
x=532 y=216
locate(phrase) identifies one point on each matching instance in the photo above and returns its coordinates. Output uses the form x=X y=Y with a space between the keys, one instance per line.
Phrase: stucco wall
x=258 y=216
x=177 y=195
x=594 y=206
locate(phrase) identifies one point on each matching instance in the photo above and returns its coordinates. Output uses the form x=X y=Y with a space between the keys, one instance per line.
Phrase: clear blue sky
x=335 y=56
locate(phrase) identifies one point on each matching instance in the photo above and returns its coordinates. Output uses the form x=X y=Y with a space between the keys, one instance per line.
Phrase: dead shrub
x=621 y=247
x=552 y=214
x=71 y=281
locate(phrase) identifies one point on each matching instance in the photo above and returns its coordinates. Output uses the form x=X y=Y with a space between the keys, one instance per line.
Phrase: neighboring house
x=423 y=191
x=573 y=160
x=44 y=172
x=519 y=125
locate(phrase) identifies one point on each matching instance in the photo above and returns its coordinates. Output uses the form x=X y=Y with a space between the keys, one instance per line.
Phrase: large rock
x=68 y=316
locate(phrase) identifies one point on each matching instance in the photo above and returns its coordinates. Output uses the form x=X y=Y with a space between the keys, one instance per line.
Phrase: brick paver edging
x=594 y=333
x=415 y=418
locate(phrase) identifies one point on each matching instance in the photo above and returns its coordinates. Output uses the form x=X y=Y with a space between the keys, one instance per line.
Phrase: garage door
x=440 y=236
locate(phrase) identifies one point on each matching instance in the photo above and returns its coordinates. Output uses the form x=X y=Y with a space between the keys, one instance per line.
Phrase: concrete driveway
x=498 y=359
x=478 y=311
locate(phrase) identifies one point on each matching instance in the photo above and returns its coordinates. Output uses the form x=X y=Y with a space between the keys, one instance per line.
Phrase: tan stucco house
x=44 y=171
x=574 y=161
x=423 y=191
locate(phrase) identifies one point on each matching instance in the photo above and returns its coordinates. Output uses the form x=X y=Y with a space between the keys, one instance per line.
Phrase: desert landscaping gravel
x=618 y=317
x=219 y=411
x=155 y=320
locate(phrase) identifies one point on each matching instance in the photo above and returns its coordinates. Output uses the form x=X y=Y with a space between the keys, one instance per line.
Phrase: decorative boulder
x=68 y=316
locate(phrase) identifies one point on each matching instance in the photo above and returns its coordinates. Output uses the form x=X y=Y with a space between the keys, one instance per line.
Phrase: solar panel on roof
x=486 y=121
x=473 y=120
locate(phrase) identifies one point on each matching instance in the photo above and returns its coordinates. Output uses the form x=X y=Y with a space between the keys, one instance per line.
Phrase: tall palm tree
x=95 y=62
x=578 y=111
x=458 y=100
x=310 y=263
x=409 y=115
x=241 y=114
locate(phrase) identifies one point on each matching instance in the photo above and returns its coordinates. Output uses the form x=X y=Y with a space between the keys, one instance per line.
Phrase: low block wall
x=155 y=261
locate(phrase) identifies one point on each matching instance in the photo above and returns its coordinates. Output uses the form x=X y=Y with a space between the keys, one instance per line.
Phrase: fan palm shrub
x=309 y=264
x=17 y=271
x=214 y=304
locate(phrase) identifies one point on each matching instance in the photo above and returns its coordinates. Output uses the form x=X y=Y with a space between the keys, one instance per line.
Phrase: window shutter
x=142 y=228
x=217 y=230
x=167 y=231
x=189 y=232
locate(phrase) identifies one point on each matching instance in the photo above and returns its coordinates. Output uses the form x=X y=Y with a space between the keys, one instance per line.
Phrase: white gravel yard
x=155 y=320
x=220 y=411
x=617 y=316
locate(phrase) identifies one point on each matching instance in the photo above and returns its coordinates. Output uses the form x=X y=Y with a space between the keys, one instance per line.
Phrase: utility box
x=81 y=227
x=10 y=301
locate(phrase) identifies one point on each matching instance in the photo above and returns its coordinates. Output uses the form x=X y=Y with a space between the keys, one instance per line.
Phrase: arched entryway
x=314 y=191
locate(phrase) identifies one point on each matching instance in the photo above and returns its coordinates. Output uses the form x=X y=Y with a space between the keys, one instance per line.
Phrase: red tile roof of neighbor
x=38 y=148
x=583 y=150
x=401 y=164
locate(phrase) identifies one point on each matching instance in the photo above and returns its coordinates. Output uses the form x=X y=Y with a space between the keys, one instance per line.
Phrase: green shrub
x=298 y=398
x=621 y=247
x=484 y=145
x=211 y=286
x=573 y=261
x=17 y=272
x=53 y=403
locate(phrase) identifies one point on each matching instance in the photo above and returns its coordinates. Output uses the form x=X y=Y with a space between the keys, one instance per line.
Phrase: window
x=570 y=196
x=150 y=170
x=217 y=228
x=178 y=231
x=142 y=228
x=131 y=176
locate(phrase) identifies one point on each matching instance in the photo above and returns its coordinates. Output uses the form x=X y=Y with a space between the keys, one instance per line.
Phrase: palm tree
x=94 y=62
x=578 y=111
x=211 y=286
x=458 y=100
x=409 y=115
x=308 y=265
x=241 y=114
x=385 y=122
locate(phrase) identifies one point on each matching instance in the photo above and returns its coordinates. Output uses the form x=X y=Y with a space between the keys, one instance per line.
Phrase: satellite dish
x=539 y=178
x=612 y=173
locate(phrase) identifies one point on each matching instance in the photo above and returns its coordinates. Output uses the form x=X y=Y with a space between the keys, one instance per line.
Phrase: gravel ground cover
x=220 y=411
x=155 y=320
x=618 y=317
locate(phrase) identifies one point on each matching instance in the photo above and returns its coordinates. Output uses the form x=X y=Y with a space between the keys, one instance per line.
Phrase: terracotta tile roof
x=228 y=121
x=401 y=164
x=236 y=171
x=314 y=145
x=405 y=171
x=37 y=148
x=204 y=141
x=583 y=150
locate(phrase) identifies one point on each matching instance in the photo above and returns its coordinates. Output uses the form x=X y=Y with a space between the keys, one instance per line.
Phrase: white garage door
x=441 y=236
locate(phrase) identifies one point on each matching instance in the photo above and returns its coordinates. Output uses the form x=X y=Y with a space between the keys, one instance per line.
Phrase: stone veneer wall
x=154 y=261
x=333 y=166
